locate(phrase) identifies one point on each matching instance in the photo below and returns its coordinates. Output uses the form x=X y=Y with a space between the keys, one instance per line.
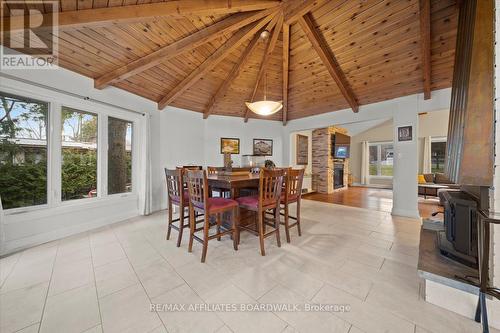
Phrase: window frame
x=379 y=145
x=98 y=147
x=438 y=139
x=35 y=98
x=56 y=101
x=134 y=159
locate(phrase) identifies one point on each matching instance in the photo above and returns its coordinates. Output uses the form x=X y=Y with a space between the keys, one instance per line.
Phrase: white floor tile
x=114 y=276
x=21 y=308
x=186 y=321
x=75 y=310
x=128 y=310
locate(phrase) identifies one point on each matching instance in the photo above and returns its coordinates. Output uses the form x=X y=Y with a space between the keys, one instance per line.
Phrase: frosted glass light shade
x=264 y=108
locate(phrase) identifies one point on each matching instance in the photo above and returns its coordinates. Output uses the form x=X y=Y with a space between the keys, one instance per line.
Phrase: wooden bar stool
x=270 y=184
x=200 y=202
x=178 y=196
x=292 y=192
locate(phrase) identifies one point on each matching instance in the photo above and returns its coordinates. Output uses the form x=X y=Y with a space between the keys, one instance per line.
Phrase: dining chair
x=268 y=199
x=292 y=193
x=201 y=203
x=177 y=196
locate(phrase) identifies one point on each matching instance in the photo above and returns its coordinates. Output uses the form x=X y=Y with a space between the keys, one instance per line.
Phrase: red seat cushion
x=220 y=204
x=249 y=201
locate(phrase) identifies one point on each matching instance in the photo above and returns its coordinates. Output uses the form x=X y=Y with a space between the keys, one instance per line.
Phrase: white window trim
x=56 y=101
x=439 y=138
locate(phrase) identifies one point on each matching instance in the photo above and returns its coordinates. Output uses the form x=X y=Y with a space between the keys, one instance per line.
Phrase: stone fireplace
x=329 y=174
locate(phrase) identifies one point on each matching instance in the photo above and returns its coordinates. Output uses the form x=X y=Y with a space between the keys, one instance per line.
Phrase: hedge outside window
x=23 y=151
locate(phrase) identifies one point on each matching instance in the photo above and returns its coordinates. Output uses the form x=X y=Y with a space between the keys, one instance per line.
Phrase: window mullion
x=379 y=160
x=54 y=155
x=102 y=156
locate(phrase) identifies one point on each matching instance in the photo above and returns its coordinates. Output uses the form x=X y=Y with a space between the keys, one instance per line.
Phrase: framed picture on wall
x=263 y=147
x=302 y=150
x=405 y=133
x=229 y=145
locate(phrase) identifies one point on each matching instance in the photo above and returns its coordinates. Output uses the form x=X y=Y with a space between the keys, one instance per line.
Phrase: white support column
x=405 y=191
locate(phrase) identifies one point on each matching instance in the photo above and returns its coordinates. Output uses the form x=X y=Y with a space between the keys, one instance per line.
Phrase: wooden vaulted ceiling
x=205 y=55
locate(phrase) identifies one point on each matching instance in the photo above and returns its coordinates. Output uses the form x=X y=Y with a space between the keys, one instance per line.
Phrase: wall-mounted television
x=341 y=144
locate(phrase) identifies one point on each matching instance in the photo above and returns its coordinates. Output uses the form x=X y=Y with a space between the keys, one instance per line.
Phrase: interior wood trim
x=328 y=59
x=235 y=71
x=231 y=44
x=134 y=13
x=269 y=50
x=286 y=65
x=295 y=9
x=190 y=42
x=425 y=44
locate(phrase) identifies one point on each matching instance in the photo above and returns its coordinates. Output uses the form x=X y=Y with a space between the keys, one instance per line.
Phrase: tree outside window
x=79 y=154
x=119 y=156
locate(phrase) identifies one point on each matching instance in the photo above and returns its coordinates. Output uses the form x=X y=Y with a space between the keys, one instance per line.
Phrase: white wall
x=217 y=127
x=188 y=139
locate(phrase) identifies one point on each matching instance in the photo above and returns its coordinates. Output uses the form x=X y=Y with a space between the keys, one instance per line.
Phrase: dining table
x=234 y=183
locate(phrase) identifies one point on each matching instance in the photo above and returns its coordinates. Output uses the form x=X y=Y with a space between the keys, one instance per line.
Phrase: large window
x=51 y=153
x=381 y=159
x=438 y=155
x=79 y=154
x=23 y=151
x=119 y=156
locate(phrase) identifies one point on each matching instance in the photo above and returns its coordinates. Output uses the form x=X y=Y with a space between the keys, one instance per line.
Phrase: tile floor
x=105 y=280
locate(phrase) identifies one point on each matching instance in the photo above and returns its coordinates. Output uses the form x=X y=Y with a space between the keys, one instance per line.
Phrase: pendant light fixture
x=265 y=107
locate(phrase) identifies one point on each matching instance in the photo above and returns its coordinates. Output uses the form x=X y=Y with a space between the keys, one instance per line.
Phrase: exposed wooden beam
x=269 y=50
x=134 y=13
x=425 y=45
x=190 y=42
x=295 y=9
x=235 y=71
x=229 y=46
x=286 y=63
x=328 y=60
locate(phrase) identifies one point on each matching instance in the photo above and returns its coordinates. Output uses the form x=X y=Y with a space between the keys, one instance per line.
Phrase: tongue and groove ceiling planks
x=205 y=56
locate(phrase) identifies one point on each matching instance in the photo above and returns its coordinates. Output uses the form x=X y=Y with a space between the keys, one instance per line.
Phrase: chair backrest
x=175 y=188
x=198 y=188
x=270 y=185
x=293 y=183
